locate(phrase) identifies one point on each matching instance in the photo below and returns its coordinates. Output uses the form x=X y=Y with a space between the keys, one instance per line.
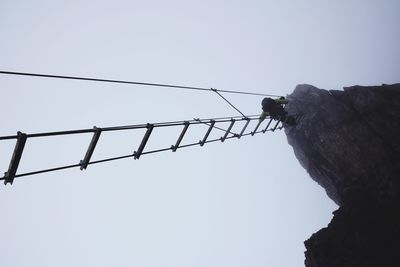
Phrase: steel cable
x=128 y=82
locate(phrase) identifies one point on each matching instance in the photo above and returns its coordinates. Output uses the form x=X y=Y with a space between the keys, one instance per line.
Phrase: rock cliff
x=349 y=142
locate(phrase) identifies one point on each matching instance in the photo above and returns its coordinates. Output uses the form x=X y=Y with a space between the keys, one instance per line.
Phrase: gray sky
x=241 y=203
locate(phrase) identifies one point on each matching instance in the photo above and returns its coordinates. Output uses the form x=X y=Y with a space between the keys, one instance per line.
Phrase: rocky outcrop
x=349 y=142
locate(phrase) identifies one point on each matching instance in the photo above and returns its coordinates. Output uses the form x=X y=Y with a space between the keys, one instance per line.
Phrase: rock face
x=349 y=142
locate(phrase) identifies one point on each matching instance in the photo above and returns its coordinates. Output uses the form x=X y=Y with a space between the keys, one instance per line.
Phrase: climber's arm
x=282 y=101
x=263 y=115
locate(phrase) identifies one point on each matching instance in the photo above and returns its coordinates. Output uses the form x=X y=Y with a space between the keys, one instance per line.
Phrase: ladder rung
x=146 y=137
x=16 y=157
x=85 y=162
x=266 y=128
x=202 y=142
x=244 y=128
x=175 y=147
x=276 y=125
x=228 y=130
x=255 y=130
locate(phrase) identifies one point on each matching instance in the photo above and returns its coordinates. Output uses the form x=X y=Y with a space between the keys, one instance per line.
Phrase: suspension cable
x=227 y=101
x=129 y=82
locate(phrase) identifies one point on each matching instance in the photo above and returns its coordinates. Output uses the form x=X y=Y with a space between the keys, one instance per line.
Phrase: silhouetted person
x=274 y=109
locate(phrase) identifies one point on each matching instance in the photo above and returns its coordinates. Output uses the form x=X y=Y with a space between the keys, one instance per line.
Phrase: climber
x=274 y=109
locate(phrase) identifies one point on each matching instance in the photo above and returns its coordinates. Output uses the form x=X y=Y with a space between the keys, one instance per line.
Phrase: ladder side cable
x=132 y=127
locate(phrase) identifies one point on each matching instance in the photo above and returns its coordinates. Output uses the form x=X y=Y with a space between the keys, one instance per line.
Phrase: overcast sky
x=243 y=202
